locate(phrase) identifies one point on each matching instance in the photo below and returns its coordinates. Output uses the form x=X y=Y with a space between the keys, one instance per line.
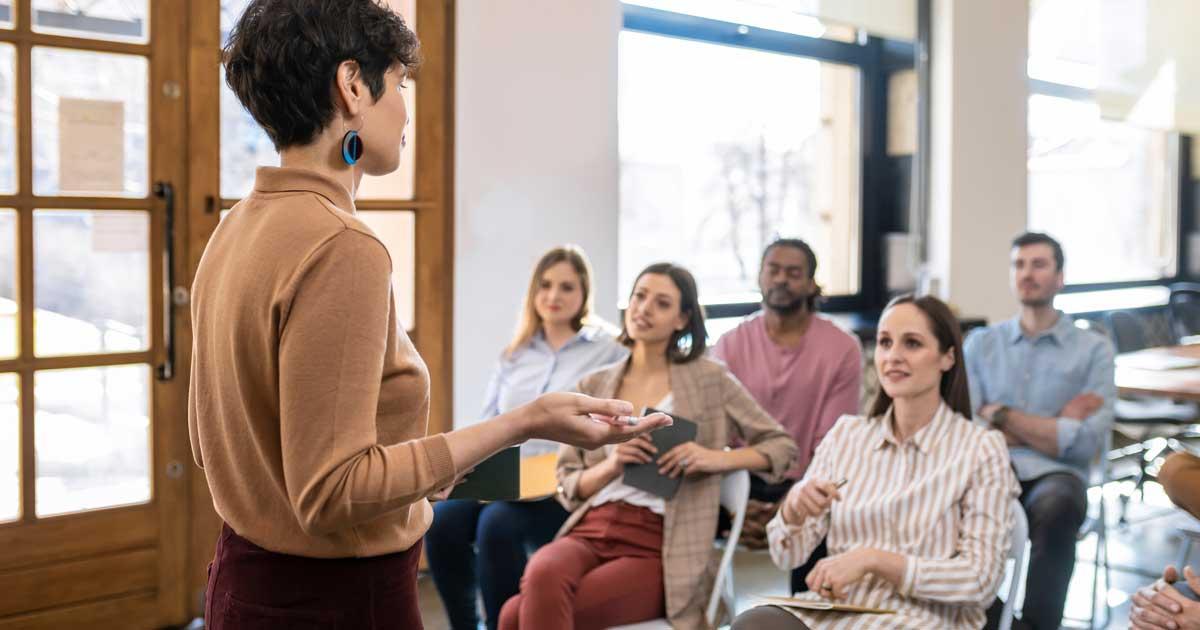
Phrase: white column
x=978 y=198
x=535 y=164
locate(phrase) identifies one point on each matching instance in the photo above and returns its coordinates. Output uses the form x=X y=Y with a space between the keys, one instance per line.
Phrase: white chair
x=735 y=492
x=1018 y=552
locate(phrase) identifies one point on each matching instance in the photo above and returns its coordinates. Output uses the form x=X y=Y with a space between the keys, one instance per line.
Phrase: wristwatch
x=999 y=417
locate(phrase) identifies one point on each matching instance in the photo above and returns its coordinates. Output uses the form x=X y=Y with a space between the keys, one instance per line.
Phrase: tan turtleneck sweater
x=309 y=404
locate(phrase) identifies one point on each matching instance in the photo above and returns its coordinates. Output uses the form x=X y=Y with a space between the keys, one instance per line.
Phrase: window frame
x=1181 y=145
x=875 y=58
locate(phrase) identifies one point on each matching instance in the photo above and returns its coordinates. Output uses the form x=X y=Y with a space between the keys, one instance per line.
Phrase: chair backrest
x=735 y=493
x=1017 y=552
x=1127 y=331
x=1184 y=305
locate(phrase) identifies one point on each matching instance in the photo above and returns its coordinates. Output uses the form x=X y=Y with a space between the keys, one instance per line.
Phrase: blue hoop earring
x=352 y=147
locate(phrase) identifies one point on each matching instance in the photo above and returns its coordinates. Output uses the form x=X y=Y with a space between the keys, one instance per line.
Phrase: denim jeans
x=481 y=548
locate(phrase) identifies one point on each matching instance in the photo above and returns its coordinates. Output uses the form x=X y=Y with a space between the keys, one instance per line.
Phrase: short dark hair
x=946 y=329
x=814 y=300
x=1040 y=238
x=282 y=58
x=691 y=342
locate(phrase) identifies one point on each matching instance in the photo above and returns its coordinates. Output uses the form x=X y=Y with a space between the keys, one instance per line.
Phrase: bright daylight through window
x=724 y=148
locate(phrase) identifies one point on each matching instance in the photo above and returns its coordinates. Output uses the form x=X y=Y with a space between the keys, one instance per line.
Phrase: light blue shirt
x=536 y=368
x=1039 y=375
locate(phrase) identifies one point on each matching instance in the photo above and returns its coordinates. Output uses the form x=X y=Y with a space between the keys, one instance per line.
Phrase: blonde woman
x=626 y=555
x=480 y=549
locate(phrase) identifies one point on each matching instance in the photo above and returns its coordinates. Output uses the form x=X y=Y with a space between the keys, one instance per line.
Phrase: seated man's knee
x=1062 y=501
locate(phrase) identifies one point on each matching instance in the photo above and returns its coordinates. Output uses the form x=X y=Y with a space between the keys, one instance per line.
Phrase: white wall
x=978 y=193
x=535 y=163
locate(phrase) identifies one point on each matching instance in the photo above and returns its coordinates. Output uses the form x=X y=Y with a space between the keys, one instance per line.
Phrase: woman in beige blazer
x=625 y=555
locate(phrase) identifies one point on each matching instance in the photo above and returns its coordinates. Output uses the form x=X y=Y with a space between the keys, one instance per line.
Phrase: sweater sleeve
x=333 y=339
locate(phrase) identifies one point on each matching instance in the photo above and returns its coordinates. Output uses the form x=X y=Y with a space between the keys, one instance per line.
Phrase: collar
x=275 y=179
x=1056 y=333
x=924 y=440
x=586 y=333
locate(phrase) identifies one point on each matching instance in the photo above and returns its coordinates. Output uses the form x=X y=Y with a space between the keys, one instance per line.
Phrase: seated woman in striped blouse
x=922 y=524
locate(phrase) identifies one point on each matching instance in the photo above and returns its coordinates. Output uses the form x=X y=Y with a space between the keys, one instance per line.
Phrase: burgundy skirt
x=250 y=587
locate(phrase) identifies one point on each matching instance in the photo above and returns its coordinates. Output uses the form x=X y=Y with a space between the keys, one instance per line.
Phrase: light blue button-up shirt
x=536 y=368
x=1039 y=375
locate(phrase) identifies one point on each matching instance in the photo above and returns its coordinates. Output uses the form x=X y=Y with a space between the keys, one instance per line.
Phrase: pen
x=840 y=483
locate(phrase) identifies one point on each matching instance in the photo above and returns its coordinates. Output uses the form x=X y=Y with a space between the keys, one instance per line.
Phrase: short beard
x=1038 y=303
x=791 y=308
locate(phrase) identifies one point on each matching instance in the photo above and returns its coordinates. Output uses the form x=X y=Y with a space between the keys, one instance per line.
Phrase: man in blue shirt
x=1048 y=386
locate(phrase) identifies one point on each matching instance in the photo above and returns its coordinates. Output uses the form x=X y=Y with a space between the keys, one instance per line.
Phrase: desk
x=1177 y=384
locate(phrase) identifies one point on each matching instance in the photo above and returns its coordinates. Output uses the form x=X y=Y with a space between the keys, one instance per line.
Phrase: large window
x=732 y=135
x=1105 y=189
x=723 y=159
x=1100 y=180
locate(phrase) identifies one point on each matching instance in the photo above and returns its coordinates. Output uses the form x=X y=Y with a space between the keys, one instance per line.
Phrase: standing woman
x=625 y=555
x=308 y=404
x=474 y=546
x=923 y=522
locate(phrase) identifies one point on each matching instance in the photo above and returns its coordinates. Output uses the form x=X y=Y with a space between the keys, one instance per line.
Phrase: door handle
x=166 y=192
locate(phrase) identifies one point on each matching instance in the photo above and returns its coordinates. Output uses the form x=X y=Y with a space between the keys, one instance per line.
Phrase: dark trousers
x=483 y=547
x=252 y=588
x=1056 y=505
x=774 y=493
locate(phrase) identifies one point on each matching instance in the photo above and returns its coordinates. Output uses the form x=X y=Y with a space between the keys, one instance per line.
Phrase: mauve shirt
x=806 y=388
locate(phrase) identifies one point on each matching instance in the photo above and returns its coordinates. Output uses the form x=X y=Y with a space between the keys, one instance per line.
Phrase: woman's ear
x=946 y=363
x=349 y=88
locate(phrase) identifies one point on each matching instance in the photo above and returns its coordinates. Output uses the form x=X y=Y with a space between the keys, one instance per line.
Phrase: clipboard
x=510 y=475
x=820 y=605
x=646 y=476
x=497 y=478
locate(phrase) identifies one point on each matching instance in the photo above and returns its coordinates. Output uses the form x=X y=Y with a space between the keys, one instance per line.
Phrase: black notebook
x=646 y=476
x=497 y=478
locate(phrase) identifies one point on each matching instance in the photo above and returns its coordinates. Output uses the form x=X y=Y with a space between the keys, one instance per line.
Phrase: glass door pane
x=244 y=146
x=92 y=282
x=397 y=230
x=89 y=123
x=9 y=342
x=10 y=448
x=399 y=183
x=121 y=20
x=8 y=120
x=92 y=433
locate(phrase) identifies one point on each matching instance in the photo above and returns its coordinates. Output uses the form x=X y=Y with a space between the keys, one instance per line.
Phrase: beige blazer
x=706 y=393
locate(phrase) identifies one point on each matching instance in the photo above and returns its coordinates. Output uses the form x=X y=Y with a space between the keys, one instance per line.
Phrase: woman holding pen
x=625 y=555
x=308 y=404
x=480 y=549
x=922 y=523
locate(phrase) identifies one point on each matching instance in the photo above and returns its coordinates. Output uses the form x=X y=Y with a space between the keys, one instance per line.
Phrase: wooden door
x=409 y=210
x=93 y=438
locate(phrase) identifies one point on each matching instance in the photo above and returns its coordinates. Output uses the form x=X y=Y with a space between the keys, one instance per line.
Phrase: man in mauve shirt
x=800 y=367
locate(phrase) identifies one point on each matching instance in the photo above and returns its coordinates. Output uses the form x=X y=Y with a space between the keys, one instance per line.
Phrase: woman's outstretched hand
x=587 y=422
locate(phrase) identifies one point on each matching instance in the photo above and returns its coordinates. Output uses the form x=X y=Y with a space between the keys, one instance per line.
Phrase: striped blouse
x=941 y=499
